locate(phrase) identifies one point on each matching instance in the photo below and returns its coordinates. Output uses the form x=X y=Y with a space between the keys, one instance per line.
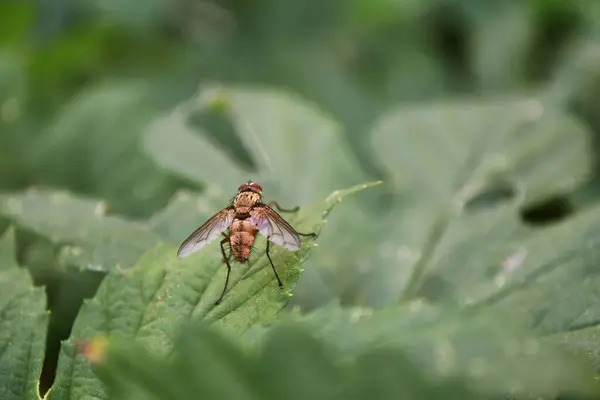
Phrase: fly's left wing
x=274 y=227
x=206 y=233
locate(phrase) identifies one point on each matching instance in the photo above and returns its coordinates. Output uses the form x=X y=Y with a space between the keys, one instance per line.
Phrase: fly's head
x=250 y=187
x=249 y=194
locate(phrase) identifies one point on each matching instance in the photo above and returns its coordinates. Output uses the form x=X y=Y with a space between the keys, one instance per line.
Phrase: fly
x=244 y=217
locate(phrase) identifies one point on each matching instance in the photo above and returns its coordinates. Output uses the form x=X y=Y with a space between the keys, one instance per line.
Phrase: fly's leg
x=273 y=266
x=312 y=234
x=226 y=260
x=278 y=207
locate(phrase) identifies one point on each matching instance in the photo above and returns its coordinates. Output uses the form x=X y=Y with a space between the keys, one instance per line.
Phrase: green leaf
x=93 y=148
x=489 y=352
x=151 y=300
x=487 y=259
x=15 y=137
x=299 y=153
x=503 y=45
x=554 y=284
x=143 y=16
x=23 y=325
x=292 y=365
x=184 y=213
x=444 y=241
x=88 y=238
x=15 y=20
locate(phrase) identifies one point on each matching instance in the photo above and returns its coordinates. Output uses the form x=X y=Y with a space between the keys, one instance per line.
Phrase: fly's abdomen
x=241 y=239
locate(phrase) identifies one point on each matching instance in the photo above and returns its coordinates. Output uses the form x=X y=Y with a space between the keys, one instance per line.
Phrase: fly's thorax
x=246 y=200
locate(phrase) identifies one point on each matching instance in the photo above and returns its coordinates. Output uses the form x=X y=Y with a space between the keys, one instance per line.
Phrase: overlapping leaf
x=89 y=238
x=551 y=283
x=444 y=158
x=151 y=300
x=424 y=353
x=93 y=148
x=299 y=152
x=487 y=258
x=489 y=352
x=23 y=324
x=292 y=365
x=14 y=136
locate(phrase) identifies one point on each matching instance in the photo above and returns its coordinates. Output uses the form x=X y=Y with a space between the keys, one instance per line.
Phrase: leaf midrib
x=442 y=221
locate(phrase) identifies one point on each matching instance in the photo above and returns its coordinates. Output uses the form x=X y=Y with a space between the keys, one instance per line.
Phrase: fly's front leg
x=278 y=207
x=273 y=266
x=226 y=261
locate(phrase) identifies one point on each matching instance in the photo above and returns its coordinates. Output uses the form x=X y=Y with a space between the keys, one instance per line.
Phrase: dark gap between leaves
x=66 y=287
x=218 y=127
x=554 y=26
x=65 y=297
x=4 y=225
x=449 y=36
x=547 y=212
x=435 y=288
x=386 y=197
x=491 y=196
x=160 y=201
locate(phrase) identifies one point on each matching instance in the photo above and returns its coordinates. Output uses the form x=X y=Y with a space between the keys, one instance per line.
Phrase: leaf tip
x=338 y=195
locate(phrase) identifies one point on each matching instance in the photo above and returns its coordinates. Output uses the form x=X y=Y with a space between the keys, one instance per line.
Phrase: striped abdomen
x=241 y=238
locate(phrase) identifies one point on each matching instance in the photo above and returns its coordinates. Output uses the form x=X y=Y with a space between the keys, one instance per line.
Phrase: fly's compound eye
x=242 y=187
x=256 y=186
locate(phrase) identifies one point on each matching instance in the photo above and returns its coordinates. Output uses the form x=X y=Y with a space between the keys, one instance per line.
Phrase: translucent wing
x=274 y=227
x=206 y=233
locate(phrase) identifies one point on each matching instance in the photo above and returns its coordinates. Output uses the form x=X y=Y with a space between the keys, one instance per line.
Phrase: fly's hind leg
x=226 y=261
x=290 y=210
x=312 y=234
x=273 y=266
x=278 y=207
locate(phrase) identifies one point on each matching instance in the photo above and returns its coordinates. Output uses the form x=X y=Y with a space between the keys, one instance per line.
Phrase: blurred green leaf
x=184 y=213
x=130 y=13
x=382 y=12
x=440 y=159
x=502 y=45
x=292 y=365
x=13 y=85
x=489 y=352
x=551 y=284
x=23 y=324
x=15 y=19
x=151 y=300
x=575 y=87
x=14 y=135
x=93 y=148
x=299 y=152
x=88 y=238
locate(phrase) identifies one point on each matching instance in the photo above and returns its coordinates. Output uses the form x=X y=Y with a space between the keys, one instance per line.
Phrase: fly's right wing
x=274 y=227
x=206 y=233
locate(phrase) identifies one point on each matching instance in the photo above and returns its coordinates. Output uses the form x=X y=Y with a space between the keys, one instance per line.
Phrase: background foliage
x=471 y=272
